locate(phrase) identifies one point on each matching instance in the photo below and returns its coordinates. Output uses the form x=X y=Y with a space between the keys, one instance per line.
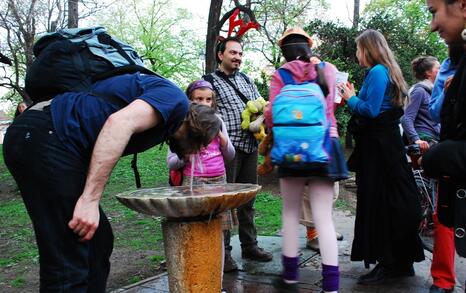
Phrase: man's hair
x=200 y=127
x=222 y=44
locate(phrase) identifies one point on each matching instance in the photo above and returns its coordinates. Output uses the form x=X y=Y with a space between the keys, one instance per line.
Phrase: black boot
x=374 y=277
x=256 y=253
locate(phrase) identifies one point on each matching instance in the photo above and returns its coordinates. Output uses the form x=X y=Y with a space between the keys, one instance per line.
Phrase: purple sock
x=331 y=278
x=290 y=268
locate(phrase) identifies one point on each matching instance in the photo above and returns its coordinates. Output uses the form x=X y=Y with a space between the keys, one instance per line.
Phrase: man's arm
x=111 y=142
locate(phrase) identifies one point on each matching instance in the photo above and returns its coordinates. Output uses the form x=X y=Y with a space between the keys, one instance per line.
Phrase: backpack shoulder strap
x=246 y=78
x=208 y=77
x=286 y=76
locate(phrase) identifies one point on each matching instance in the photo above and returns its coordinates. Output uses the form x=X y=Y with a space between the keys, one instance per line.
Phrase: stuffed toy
x=253 y=118
x=264 y=150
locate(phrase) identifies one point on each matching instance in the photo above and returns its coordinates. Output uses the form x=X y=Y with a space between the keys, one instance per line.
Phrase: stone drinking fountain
x=191 y=230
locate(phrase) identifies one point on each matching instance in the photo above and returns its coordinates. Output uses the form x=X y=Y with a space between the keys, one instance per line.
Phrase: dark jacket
x=447 y=160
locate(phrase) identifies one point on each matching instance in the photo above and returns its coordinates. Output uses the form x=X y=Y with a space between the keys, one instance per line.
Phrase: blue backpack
x=71 y=60
x=300 y=126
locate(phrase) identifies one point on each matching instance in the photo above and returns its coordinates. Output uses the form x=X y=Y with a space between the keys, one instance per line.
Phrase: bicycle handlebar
x=413 y=150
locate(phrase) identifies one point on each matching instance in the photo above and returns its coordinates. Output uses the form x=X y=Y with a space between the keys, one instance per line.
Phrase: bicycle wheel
x=426 y=226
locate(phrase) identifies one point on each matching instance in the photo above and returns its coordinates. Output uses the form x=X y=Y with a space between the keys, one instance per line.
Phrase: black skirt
x=388 y=209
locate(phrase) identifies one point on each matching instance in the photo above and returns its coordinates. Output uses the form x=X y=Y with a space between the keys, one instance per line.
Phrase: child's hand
x=223 y=139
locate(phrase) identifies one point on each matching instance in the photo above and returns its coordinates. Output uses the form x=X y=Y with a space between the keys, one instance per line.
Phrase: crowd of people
x=74 y=140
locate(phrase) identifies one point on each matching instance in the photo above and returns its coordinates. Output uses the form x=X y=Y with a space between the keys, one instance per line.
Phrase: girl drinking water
x=207 y=166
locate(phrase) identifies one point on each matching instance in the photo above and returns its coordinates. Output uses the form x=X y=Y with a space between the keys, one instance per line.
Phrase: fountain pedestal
x=192 y=231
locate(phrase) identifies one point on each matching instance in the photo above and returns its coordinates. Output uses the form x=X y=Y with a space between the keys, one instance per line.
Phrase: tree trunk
x=73 y=13
x=212 y=33
x=356 y=14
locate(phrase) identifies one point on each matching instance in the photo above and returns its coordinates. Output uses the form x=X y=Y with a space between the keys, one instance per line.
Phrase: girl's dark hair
x=421 y=65
x=296 y=47
x=455 y=52
x=199 y=128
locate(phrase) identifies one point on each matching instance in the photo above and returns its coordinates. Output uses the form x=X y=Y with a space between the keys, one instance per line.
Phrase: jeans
x=51 y=179
x=243 y=169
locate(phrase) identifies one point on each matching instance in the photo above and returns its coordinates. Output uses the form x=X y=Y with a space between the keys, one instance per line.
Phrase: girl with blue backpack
x=307 y=152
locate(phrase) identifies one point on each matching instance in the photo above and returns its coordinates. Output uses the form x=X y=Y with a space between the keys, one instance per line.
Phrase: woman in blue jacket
x=388 y=210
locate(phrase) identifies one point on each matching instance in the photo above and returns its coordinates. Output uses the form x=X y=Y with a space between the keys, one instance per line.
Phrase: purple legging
x=321 y=200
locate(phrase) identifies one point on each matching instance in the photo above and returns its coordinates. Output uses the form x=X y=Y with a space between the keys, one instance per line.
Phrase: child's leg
x=292 y=190
x=321 y=197
x=306 y=216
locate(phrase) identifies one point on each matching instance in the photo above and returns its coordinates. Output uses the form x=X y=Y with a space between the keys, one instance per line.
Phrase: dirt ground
x=126 y=266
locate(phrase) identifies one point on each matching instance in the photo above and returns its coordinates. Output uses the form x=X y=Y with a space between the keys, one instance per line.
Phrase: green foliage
x=167 y=49
x=18 y=282
x=405 y=25
x=275 y=16
x=268 y=214
x=263 y=84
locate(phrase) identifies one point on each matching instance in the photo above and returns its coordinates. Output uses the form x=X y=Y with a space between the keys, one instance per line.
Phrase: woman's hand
x=346 y=91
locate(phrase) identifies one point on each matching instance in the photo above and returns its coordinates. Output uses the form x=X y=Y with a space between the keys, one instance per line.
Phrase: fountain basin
x=181 y=202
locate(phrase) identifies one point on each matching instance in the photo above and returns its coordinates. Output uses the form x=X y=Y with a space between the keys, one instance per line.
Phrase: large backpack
x=70 y=60
x=300 y=126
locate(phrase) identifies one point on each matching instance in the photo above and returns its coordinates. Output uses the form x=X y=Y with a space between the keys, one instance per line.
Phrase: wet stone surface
x=256 y=277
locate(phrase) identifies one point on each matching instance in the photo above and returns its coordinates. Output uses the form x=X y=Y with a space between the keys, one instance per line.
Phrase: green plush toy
x=253 y=111
x=253 y=118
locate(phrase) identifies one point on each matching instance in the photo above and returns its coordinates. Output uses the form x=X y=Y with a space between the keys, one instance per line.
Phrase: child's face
x=202 y=96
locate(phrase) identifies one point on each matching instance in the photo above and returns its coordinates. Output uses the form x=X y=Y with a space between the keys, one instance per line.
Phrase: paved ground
x=257 y=277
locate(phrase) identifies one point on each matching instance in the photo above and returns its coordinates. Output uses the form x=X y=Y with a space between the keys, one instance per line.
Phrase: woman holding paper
x=388 y=210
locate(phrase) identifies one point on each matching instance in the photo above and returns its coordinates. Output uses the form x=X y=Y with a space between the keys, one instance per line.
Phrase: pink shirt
x=209 y=162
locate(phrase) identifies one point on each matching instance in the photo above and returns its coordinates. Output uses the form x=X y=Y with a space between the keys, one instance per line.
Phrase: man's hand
x=423 y=145
x=85 y=219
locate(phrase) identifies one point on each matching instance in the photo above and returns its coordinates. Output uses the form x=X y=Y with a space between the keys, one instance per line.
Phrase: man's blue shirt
x=79 y=117
x=435 y=105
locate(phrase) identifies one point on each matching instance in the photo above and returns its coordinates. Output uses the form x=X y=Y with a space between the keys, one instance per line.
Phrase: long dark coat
x=446 y=161
x=388 y=209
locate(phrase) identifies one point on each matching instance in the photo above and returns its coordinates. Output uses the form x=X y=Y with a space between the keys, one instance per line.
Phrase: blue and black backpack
x=71 y=60
x=300 y=126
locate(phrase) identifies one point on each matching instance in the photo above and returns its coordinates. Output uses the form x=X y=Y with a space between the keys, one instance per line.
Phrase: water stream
x=195 y=162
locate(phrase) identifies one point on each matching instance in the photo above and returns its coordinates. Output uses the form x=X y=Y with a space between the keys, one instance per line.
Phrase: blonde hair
x=376 y=51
